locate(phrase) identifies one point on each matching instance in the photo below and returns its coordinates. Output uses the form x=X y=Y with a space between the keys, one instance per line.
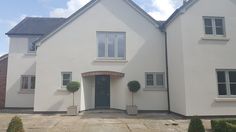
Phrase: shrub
x=73 y=87
x=230 y=127
x=223 y=125
x=196 y=125
x=133 y=86
x=218 y=125
x=15 y=125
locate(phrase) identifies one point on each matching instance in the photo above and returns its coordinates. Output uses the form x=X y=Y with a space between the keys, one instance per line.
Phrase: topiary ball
x=134 y=86
x=196 y=125
x=73 y=87
x=15 y=125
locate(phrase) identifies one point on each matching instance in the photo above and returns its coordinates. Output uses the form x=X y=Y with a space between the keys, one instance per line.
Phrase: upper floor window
x=226 y=82
x=32 y=44
x=111 y=45
x=214 y=26
x=155 y=80
x=27 y=82
x=66 y=78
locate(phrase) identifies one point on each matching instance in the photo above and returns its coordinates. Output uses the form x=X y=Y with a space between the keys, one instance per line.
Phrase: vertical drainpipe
x=167 y=71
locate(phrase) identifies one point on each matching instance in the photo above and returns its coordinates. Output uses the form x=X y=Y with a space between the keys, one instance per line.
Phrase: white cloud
x=163 y=8
x=72 y=6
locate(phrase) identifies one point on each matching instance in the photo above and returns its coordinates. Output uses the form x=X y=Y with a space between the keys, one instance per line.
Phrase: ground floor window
x=226 y=82
x=66 y=78
x=154 y=80
x=27 y=82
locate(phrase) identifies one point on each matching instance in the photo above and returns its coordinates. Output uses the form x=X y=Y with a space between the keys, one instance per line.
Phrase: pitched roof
x=36 y=26
x=178 y=12
x=3 y=57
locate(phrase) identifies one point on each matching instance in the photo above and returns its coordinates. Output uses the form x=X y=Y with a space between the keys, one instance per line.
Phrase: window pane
x=121 y=45
x=66 y=76
x=24 y=81
x=66 y=82
x=232 y=76
x=221 y=76
x=222 y=89
x=101 y=44
x=160 y=79
x=219 y=31
x=111 y=44
x=219 y=22
x=150 y=79
x=32 y=82
x=233 y=89
x=208 y=30
x=32 y=43
x=208 y=22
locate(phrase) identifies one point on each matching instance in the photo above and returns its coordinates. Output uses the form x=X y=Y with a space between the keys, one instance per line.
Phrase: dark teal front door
x=102 y=91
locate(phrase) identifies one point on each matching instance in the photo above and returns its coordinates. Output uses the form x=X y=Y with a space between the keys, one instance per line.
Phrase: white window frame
x=32 y=40
x=213 y=18
x=155 y=80
x=106 y=47
x=29 y=82
x=228 y=92
x=62 y=79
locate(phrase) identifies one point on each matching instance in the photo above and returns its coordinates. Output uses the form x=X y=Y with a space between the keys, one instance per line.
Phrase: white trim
x=227 y=83
x=29 y=77
x=225 y=99
x=155 y=86
x=62 y=79
x=213 y=22
x=106 y=57
x=215 y=38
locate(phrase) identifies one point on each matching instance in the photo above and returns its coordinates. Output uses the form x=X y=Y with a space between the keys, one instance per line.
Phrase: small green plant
x=133 y=86
x=15 y=125
x=73 y=87
x=230 y=127
x=196 y=125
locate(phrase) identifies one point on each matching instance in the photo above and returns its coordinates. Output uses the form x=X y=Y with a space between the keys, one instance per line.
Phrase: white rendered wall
x=74 y=48
x=19 y=63
x=202 y=57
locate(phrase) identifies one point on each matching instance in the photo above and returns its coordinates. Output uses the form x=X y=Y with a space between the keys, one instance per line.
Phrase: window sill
x=225 y=99
x=26 y=91
x=62 y=90
x=30 y=54
x=215 y=38
x=154 y=89
x=111 y=60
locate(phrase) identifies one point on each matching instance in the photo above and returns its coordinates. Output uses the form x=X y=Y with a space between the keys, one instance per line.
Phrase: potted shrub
x=73 y=87
x=133 y=86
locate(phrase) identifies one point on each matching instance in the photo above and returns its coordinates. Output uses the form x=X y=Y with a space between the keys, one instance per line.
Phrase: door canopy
x=110 y=73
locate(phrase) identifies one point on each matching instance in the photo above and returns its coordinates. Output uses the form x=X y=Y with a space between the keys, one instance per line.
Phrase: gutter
x=167 y=72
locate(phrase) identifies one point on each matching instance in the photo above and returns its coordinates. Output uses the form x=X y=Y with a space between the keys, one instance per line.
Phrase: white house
x=185 y=65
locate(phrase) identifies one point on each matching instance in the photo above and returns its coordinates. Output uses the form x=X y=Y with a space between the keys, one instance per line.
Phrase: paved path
x=100 y=122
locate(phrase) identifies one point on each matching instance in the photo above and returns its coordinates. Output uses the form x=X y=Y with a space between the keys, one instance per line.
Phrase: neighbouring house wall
x=202 y=57
x=74 y=49
x=176 y=66
x=3 y=79
x=19 y=63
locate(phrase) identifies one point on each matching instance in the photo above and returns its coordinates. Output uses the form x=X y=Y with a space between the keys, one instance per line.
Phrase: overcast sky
x=11 y=14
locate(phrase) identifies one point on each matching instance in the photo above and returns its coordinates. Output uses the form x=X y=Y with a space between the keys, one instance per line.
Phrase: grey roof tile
x=36 y=26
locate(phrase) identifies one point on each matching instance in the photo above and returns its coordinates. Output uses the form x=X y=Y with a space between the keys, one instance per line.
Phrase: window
x=111 y=45
x=32 y=44
x=66 y=78
x=214 y=25
x=226 y=82
x=155 y=80
x=27 y=82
